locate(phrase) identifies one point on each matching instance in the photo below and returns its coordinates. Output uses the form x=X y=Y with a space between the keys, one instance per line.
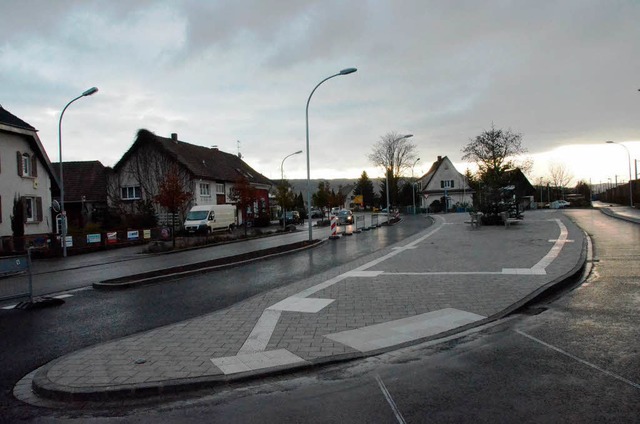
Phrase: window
x=131 y=193
x=446 y=184
x=32 y=209
x=205 y=190
x=219 y=188
x=27 y=165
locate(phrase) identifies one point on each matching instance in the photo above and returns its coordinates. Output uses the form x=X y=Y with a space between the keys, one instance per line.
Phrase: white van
x=209 y=218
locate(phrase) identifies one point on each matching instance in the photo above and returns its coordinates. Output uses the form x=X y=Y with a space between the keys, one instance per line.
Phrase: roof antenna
x=239 y=154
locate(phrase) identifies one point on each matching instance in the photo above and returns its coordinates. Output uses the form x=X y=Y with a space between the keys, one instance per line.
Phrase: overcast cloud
x=215 y=72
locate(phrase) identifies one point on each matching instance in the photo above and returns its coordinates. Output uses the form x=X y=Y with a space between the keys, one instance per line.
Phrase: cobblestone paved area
x=445 y=278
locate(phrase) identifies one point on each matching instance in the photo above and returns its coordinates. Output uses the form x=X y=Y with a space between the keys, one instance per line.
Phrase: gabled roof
x=14 y=125
x=201 y=162
x=345 y=190
x=88 y=179
x=11 y=120
x=432 y=171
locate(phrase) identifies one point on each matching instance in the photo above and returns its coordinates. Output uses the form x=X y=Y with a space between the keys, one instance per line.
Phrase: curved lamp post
x=346 y=71
x=413 y=186
x=630 y=180
x=387 y=175
x=284 y=210
x=63 y=213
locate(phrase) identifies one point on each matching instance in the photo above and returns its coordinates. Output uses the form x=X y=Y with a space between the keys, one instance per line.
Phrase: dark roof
x=202 y=162
x=88 y=179
x=10 y=119
x=432 y=171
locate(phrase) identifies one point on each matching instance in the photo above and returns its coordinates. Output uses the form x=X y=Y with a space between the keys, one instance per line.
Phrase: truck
x=209 y=218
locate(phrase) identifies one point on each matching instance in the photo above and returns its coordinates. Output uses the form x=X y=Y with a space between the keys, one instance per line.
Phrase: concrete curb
x=611 y=213
x=202 y=267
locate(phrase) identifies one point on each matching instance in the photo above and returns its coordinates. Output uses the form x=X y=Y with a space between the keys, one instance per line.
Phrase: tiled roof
x=202 y=162
x=10 y=119
x=432 y=171
x=88 y=179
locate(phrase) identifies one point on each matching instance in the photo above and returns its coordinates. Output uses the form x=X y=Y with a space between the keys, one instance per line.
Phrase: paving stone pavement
x=442 y=280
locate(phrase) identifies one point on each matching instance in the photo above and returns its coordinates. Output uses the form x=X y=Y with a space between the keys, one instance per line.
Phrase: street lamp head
x=610 y=142
x=90 y=91
x=348 y=71
x=407 y=136
x=298 y=152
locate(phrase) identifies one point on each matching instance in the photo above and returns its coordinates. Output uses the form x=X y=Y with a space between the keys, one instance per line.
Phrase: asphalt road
x=570 y=359
x=33 y=338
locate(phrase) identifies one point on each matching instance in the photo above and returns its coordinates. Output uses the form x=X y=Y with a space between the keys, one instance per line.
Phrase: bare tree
x=559 y=175
x=148 y=168
x=395 y=153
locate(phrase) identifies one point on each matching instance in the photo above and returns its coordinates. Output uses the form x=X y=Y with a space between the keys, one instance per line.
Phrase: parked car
x=558 y=204
x=316 y=213
x=292 y=217
x=334 y=211
x=345 y=217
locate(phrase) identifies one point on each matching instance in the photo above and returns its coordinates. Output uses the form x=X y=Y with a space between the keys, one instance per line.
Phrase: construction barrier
x=374 y=222
x=334 y=228
x=359 y=224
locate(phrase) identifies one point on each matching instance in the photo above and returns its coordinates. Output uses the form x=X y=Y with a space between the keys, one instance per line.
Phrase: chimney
x=174 y=136
x=439 y=158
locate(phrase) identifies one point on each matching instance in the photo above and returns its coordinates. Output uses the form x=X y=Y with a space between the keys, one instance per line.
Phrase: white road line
x=261 y=333
x=582 y=361
x=390 y=401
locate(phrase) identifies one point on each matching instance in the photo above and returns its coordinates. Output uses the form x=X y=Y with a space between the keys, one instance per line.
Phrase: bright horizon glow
x=593 y=163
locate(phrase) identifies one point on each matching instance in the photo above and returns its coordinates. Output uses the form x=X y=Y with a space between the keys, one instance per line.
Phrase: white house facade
x=26 y=177
x=443 y=182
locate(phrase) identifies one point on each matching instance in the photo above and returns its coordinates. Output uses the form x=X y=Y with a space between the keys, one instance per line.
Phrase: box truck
x=209 y=218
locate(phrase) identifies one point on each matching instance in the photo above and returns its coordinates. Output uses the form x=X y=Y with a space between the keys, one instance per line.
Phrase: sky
x=237 y=75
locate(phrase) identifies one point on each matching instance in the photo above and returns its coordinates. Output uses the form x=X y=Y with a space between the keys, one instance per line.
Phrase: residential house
x=26 y=181
x=209 y=174
x=348 y=194
x=518 y=186
x=85 y=191
x=445 y=184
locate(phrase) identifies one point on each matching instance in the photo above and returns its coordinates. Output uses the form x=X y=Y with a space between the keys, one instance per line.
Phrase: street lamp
x=284 y=209
x=413 y=186
x=630 y=181
x=63 y=213
x=346 y=71
x=387 y=175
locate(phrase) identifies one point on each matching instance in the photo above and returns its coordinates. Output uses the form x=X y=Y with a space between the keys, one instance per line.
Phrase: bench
x=507 y=220
x=476 y=219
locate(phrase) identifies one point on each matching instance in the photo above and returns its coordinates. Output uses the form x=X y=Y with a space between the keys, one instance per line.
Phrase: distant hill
x=335 y=184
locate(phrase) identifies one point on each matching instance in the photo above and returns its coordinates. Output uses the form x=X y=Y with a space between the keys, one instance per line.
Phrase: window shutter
x=38 y=209
x=441 y=183
x=19 y=156
x=34 y=165
x=0 y=208
x=451 y=183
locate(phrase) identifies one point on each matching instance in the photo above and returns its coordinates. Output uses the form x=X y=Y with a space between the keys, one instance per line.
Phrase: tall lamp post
x=630 y=180
x=346 y=71
x=413 y=186
x=63 y=213
x=387 y=172
x=284 y=209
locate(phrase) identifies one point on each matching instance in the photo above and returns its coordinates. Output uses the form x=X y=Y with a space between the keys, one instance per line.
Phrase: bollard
x=334 y=228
